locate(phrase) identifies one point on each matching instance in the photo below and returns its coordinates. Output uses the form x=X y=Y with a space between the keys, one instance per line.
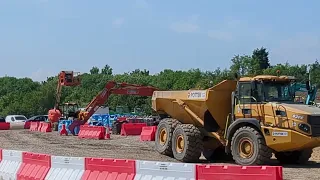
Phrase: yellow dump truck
x=248 y=118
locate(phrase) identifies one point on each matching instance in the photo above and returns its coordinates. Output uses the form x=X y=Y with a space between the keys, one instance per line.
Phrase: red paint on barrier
x=132 y=128
x=107 y=136
x=92 y=132
x=148 y=133
x=0 y=155
x=209 y=172
x=27 y=125
x=34 y=166
x=45 y=127
x=4 y=126
x=109 y=169
x=34 y=126
x=40 y=126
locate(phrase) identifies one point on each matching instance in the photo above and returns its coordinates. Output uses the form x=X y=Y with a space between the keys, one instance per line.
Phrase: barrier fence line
x=33 y=166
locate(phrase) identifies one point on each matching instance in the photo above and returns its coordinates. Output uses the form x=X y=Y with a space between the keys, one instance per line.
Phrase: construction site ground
x=120 y=147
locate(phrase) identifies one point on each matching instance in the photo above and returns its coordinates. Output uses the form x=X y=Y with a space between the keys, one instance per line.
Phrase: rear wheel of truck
x=248 y=147
x=187 y=144
x=294 y=157
x=163 y=139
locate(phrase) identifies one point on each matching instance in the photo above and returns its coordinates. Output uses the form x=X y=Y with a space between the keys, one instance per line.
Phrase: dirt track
x=118 y=147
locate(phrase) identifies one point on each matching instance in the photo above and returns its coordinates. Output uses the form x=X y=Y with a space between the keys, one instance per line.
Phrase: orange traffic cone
x=107 y=136
x=63 y=130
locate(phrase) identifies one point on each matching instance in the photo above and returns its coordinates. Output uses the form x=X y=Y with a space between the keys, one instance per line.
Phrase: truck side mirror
x=308 y=85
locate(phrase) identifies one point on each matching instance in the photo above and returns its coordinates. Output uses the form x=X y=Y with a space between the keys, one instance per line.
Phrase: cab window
x=245 y=93
x=250 y=95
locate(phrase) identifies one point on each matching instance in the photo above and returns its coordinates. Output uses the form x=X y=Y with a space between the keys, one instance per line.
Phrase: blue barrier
x=107 y=119
x=67 y=124
x=101 y=120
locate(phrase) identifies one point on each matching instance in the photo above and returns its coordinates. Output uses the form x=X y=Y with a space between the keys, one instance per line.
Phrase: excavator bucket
x=69 y=78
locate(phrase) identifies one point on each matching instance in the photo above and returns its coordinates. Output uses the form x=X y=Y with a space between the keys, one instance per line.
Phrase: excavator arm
x=65 y=78
x=111 y=87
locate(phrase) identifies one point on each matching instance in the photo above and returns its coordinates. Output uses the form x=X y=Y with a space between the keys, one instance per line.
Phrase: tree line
x=24 y=96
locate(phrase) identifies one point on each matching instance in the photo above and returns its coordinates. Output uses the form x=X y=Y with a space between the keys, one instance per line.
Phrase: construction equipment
x=65 y=78
x=307 y=87
x=311 y=92
x=69 y=109
x=111 y=87
x=249 y=118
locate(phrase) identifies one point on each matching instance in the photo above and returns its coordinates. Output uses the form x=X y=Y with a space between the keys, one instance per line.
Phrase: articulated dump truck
x=249 y=119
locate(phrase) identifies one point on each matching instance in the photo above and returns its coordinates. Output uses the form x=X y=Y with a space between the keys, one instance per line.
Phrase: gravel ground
x=119 y=147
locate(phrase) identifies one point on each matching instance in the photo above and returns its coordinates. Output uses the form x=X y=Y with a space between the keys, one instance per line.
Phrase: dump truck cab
x=266 y=105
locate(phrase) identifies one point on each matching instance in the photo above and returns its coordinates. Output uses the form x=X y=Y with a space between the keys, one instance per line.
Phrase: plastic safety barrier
x=206 y=172
x=34 y=166
x=164 y=170
x=23 y=165
x=148 y=133
x=66 y=168
x=10 y=163
x=17 y=125
x=40 y=126
x=4 y=126
x=115 y=169
x=45 y=127
x=132 y=128
x=27 y=125
x=92 y=132
x=34 y=126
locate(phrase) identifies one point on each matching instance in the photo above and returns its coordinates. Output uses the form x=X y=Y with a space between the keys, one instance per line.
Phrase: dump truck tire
x=295 y=157
x=163 y=140
x=187 y=143
x=248 y=147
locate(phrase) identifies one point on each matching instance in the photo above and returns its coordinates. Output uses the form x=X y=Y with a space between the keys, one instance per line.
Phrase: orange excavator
x=111 y=87
x=65 y=78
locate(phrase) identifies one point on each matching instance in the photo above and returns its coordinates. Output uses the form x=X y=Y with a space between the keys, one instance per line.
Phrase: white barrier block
x=16 y=125
x=152 y=170
x=64 y=168
x=10 y=164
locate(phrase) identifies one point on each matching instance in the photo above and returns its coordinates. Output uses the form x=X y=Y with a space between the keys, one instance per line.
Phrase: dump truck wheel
x=187 y=144
x=295 y=157
x=248 y=147
x=163 y=140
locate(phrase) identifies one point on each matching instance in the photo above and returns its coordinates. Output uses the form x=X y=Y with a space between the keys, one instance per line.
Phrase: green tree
x=23 y=96
x=94 y=70
x=107 y=70
x=261 y=58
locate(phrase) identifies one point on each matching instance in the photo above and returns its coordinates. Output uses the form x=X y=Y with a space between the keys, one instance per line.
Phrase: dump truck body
x=215 y=100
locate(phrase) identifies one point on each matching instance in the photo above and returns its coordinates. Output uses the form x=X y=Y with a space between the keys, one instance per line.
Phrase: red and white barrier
x=10 y=164
x=148 y=133
x=128 y=129
x=14 y=125
x=32 y=166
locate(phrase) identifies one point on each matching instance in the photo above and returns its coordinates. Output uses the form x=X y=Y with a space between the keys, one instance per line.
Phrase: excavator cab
x=69 y=109
x=69 y=78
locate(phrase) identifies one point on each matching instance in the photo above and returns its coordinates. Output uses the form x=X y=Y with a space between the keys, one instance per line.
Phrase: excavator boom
x=111 y=87
x=65 y=78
